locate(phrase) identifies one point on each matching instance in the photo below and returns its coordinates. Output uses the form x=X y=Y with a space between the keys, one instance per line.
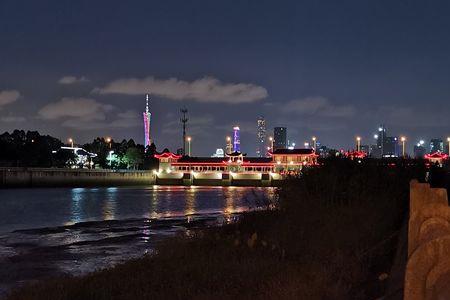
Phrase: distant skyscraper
x=261 y=135
x=391 y=147
x=279 y=138
x=236 y=139
x=147 y=117
x=436 y=145
x=381 y=140
x=419 y=150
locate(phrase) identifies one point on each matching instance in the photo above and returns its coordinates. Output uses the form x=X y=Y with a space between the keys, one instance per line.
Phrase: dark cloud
x=318 y=106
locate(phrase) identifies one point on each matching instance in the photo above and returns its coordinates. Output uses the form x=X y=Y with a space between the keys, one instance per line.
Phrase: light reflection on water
x=78 y=230
x=34 y=208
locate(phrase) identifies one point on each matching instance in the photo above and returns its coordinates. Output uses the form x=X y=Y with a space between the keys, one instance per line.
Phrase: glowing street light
x=403 y=139
x=358 y=143
x=189 y=145
x=448 y=140
x=229 y=147
x=271 y=143
x=314 y=142
x=110 y=158
x=70 y=140
x=108 y=140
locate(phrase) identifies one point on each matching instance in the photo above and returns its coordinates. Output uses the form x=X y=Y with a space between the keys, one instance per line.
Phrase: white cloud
x=72 y=79
x=207 y=89
x=318 y=106
x=8 y=96
x=85 y=109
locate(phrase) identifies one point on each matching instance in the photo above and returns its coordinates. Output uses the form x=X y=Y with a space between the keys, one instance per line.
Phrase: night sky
x=333 y=69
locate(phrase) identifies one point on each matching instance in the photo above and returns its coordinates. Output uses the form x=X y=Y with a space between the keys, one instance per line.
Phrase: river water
x=52 y=232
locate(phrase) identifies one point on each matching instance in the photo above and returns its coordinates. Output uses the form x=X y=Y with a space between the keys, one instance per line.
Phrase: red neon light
x=436 y=155
x=167 y=155
x=293 y=154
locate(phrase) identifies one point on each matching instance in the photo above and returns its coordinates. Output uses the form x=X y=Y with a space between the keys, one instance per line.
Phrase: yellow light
x=291 y=162
x=448 y=139
x=278 y=162
x=358 y=138
x=108 y=140
x=228 y=138
x=188 y=138
x=403 y=138
x=270 y=138
x=314 y=138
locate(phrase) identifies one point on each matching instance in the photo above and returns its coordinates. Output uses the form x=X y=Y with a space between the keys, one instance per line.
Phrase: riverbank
x=333 y=235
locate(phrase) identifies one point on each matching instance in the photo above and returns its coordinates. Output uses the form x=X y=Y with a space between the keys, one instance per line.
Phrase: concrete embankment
x=40 y=177
x=428 y=264
x=37 y=177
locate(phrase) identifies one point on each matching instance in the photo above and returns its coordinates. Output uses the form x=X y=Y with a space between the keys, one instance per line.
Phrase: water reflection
x=76 y=206
x=190 y=201
x=109 y=205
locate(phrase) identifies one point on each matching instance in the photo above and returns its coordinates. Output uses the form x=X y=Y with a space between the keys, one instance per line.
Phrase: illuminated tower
x=147 y=117
x=261 y=134
x=236 y=140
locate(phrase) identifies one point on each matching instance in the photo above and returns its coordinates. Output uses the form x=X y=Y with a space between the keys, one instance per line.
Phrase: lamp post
x=110 y=159
x=189 y=145
x=358 y=143
x=108 y=140
x=448 y=140
x=229 y=144
x=314 y=139
x=403 y=139
x=271 y=143
x=70 y=140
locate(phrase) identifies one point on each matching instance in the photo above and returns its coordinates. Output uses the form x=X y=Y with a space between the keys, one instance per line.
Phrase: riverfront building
x=280 y=161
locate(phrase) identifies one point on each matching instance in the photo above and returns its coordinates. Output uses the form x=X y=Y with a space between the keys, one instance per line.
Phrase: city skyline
x=336 y=71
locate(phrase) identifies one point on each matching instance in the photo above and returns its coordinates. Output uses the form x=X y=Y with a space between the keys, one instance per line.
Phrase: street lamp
x=314 y=142
x=229 y=144
x=448 y=140
x=110 y=159
x=271 y=143
x=70 y=140
x=189 y=145
x=108 y=140
x=358 y=143
x=403 y=139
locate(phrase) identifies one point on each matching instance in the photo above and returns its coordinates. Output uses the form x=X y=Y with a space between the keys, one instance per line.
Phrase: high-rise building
x=236 y=139
x=147 y=118
x=279 y=138
x=419 y=150
x=381 y=140
x=436 y=145
x=261 y=137
x=391 y=147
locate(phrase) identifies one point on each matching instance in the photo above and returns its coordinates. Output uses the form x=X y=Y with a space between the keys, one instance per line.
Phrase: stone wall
x=428 y=266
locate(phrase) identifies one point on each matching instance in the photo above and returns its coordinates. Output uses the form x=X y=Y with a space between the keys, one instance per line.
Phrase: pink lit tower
x=147 y=118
